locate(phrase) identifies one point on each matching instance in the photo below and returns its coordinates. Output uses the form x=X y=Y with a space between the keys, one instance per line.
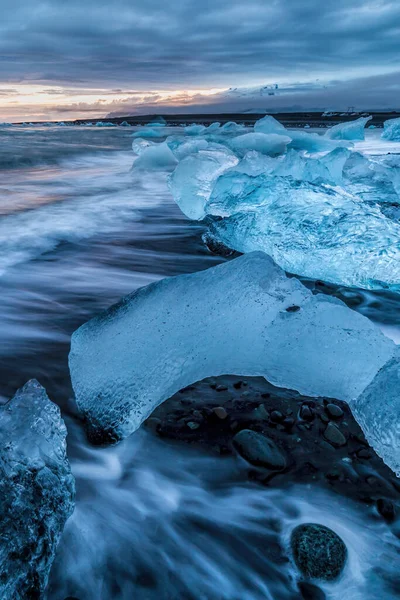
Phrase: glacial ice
x=182 y=148
x=195 y=129
x=326 y=169
x=309 y=229
x=312 y=142
x=243 y=317
x=213 y=127
x=37 y=491
x=269 y=124
x=265 y=143
x=149 y=133
x=192 y=181
x=391 y=130
x=157 y=157
x=353 y=130
x=232 y=127
x=139 y=145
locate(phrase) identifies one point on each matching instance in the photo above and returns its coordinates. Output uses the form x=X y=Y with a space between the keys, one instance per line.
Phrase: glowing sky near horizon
x=90 y=59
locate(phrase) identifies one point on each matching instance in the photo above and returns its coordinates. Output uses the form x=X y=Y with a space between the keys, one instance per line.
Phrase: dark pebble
x=364 y=453
x=237 y=385
x=276 y=416
x=319 y=552
x=386 y=509
x=309 y=591
x=306 y=413
x=293 y=308
x=259 y=450
x=221 y=388
x=334 y=411
x=334 y=435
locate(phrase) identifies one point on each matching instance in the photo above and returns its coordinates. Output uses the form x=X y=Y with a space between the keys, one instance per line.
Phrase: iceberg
x=354 y=130
x=192 y=181
x=309 y=229
x=269 y=124
x=195 y=129
x=391 y=130
x=265 y=143
x=243 y=317
x=158 y=157
x=37 y=491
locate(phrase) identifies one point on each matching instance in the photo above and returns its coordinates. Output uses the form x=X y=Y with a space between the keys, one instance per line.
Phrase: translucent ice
x=265 y=143
x=378 y=410
x=139 y=145
x=213 y=127
x=243 y=317
x=149 y=133
x=158 y=157
x=354 y=130
x=313 y=230
x=269 y=124
x=192 y=181
x=391 y=130
x=195 y=129
x=37 y=491
x=232 y=127
x=182 y=148
x=312 y=142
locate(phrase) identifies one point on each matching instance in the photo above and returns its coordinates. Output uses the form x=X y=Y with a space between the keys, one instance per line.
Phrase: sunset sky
x=64 y=60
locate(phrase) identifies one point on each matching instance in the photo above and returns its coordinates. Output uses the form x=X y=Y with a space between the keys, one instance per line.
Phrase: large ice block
x=37 y=491
x=243 y=317
x=309 y=229
x=353 y=130
x=391 y=130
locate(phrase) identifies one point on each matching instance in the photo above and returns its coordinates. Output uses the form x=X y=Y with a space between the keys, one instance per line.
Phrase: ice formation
x=391 y=130
x=195 y=129
x=192 y=181
x=157 y=157
x=354 y=130
x=182 y=148
x=149 y=133
x=265 y=143
x=37 y=491
x=312 y=142
x=139 y=145
x=243 y=317
x=269 y=124
x=232 y=127
x=309 y=229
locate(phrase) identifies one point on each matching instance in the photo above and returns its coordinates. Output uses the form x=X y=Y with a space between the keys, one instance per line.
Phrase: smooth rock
x=318 y=552
x=334 y=435
x=259 y=450
x=334 y=411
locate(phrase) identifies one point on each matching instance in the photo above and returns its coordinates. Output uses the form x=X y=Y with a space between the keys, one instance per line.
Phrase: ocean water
x=153 y=520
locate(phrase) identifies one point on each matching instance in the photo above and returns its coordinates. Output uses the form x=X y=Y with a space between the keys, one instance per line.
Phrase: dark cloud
x=153 y=44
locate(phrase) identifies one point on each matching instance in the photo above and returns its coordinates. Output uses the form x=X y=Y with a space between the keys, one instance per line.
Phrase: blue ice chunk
x=195 y=129
x=265 y=143
x=192 y=181
x=353 y=130
x=158 y=157
x=269 y=124
x=308 y=229
x=148 y=133
x=312 y=142
x=232 y=127
x=243 y=317
x=37 y=491
x=391 y=130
